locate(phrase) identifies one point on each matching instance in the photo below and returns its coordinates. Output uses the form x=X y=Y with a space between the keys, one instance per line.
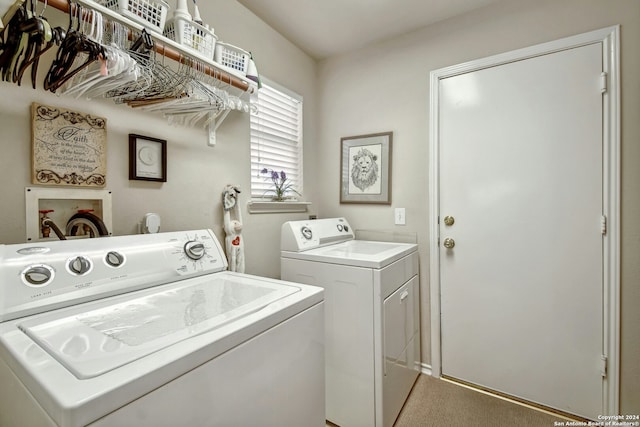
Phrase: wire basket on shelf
x=152 y=14
x=232 y=57
x=192 y=35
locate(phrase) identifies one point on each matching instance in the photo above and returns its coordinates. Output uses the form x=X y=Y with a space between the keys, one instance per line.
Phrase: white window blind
x=276 y=138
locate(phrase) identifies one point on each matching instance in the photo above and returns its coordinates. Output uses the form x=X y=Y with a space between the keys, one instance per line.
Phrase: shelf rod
x=164 y=47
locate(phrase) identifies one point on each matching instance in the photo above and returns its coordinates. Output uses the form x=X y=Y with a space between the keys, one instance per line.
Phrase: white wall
x=386 y=88
x=196 y=173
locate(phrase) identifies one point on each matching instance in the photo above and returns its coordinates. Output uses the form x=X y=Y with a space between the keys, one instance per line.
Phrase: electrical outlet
x=400 y=218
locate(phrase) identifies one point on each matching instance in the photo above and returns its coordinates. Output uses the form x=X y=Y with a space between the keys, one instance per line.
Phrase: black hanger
x=35 y=30
x=10 y=45
x=74 y=43
x=40 y=46
x=27 y=36
x=143 y=44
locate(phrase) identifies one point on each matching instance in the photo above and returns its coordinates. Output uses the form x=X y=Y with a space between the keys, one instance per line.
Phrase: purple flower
x=281 y=184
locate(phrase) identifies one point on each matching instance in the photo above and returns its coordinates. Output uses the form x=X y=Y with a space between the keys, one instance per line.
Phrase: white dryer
x=372 y=336
x=150 y=330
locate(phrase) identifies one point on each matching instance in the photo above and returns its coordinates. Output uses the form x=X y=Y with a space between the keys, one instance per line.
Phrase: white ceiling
x=323 y=28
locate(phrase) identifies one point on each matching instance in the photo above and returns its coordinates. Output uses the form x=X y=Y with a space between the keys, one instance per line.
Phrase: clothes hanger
x=166 y=85
x=10 y=46
x=202 y=105
x=121 y=69
x=98 y=78
x=143 y=73
x=31 y=29
x=41 y=38
x=64 y=57
x=73 y=45
x=139 y=77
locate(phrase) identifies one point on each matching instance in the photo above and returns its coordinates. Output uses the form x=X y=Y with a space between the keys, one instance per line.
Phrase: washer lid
x=358 y=253
x=97 y=341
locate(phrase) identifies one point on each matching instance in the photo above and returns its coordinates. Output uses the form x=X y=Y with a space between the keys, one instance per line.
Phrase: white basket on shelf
x=192 y=35
x=232 y=57
x=152 y=14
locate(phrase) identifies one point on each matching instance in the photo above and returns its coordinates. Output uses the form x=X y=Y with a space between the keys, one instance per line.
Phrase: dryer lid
x=113 y=334
x=357 y=253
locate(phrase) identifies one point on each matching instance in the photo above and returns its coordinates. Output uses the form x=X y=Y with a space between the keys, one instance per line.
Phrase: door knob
x=449 y=220
x=449 y=243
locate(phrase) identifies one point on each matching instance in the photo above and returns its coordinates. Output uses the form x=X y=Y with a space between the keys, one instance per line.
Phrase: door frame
x=610 y=39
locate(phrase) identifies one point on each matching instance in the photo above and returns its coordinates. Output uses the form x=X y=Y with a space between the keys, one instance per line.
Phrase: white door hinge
x=603 y=366
x=603 y=225
x=603 y=82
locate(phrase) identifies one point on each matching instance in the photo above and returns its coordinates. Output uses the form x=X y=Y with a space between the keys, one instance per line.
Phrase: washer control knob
x=38 y=275
x=79 y=265
x=340 y=227
x=194 y=249
x=114 y=259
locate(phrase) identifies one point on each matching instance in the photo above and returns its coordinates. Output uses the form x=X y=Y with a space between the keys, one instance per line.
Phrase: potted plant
x=281 y=185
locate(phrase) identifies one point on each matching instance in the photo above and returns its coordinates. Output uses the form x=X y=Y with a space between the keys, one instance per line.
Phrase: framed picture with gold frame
x=147 y=158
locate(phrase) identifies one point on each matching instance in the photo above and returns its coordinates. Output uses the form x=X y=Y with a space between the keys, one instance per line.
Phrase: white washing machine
x=372 y=336
x=149 y=330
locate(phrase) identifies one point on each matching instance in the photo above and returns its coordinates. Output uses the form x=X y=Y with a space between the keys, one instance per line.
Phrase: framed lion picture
x=365 y=166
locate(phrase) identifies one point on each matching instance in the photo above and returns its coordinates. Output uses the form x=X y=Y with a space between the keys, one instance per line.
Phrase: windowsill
x=259 y=206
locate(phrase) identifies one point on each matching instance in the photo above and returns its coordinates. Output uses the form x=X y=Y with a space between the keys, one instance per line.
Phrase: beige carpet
x=434 y=402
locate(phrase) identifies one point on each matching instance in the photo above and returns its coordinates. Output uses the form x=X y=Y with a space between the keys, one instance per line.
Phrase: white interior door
x=521 y=174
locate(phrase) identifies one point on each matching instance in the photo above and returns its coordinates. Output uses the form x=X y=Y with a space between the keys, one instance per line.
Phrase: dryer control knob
x=306 y=233
x=194 y=250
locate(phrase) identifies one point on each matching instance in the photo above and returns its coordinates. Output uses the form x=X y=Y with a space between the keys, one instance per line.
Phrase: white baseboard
x=425 y=369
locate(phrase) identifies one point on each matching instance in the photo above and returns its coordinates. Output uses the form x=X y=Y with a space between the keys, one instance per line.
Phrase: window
x=276 y=137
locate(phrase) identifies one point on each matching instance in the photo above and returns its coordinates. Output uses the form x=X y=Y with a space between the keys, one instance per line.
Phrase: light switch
x=400 y=216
